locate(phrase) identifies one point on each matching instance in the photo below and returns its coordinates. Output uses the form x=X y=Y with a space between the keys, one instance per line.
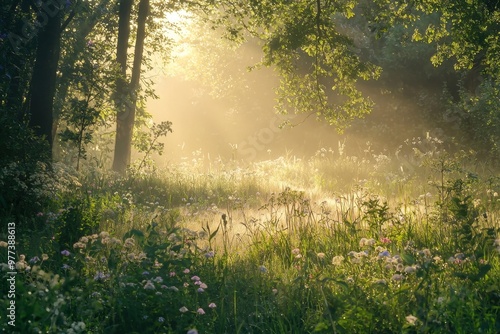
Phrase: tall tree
x=127 y=92
x=43 y=80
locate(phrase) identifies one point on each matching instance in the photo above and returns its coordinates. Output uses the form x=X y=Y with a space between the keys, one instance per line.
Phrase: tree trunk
x=43 y=80
x=119 y=161
x=128 y=98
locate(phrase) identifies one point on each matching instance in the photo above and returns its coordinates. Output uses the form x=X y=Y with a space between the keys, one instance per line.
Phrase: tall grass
x=376 y=243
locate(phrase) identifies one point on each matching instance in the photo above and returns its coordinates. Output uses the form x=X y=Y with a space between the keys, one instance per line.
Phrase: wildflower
x=65 y=267
x=275 y=291
x=129 y=243
x=321 y=255
x=350 y=280
x=385 y=240
x=21 y=265
x=39 y=214
x=186 y=271
x=3 y=244
x=200 y=290
x=337 y=260
x=411 y=319
x=65 y=253
x=145 y=273
x=186 y=284
x=352 y=254
x=161 y=319
x=78 y=327
x=384 y=254
x=195 y=278
x=45 y=257
x=203 y=286
x=410 y=270
x=381 y=282
x=437 y=259
x=370 y=242
x=158 y=279
x=131 y=257
x=115 y=241
x=84 y=240
x=100 y=276
x=192 y=331
x=426 y=252
x=34 y=259
x=173 y=288
x=200 y=311
x=210 y=254
x=263 y=269
x=172 y=274
x=397 y=277
x=78 y=245
x=362 y=242
x=104 y=235
x=361 y=254
x=149 y=286
x=183 y=309
x=295 y=251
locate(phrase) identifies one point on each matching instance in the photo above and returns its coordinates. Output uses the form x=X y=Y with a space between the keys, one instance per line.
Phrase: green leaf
x=138 y=234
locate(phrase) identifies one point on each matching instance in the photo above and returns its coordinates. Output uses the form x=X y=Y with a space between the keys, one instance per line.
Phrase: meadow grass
x=375 y=243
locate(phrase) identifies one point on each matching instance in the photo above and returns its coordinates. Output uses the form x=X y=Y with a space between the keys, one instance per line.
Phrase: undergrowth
x=407 y=243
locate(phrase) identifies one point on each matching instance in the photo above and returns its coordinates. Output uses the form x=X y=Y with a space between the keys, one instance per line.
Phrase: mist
x=223 y=106
x=220 y=108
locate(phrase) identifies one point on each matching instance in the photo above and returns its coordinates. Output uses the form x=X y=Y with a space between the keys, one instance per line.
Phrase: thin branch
x=302 y=121
x=67 y=21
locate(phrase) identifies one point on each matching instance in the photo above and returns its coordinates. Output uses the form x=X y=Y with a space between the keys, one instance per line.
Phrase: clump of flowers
x=337 y=260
